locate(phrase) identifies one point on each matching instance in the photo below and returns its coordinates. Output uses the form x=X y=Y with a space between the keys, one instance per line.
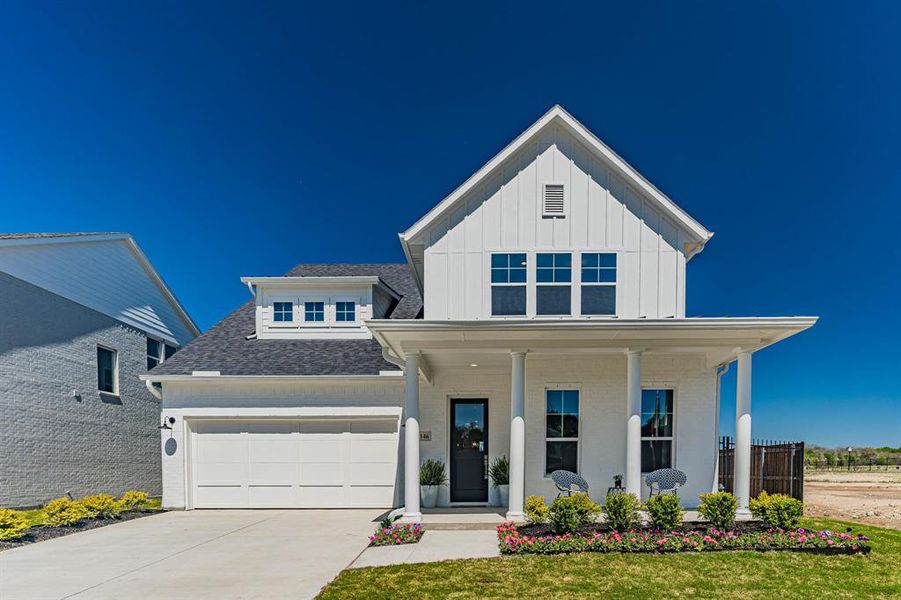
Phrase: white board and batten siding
x=298 y=328
x=105 y=275
x=602 y=214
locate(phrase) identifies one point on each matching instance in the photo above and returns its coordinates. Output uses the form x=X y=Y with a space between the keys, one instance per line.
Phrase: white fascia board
x=309 y=281
x=594 y=143
x=297 y=412
x=66 y=239
x=264 y=378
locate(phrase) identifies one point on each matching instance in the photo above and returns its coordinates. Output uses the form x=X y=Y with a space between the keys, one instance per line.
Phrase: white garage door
x=294 y=464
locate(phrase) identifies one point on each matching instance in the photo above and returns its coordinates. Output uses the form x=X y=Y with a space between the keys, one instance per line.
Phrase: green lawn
x=715 y=574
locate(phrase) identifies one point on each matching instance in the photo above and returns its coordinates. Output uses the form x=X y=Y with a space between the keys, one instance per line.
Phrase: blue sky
x=236 y=139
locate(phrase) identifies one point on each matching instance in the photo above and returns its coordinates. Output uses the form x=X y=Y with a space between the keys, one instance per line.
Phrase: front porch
x=515 y=368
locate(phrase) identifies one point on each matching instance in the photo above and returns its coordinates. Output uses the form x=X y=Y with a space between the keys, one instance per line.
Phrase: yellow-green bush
x=13 y=524
x=665 y=512
x=100 y=506
x=621 y=511
x=719 y=508
x=567 y=513
x=133 y=500
x=536 y=510
x=63 y=512
x=777 y=510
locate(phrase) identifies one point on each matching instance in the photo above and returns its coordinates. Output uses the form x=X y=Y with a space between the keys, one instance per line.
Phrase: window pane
x=506 y=301
x=345 y=311
x=563 y=275
x=553 y=300
x=545 y=260
x=170 y=350
x=607 y=275
x=563 y=260
x=570 y=426
x=151 y=362
x=599 y=300
x=544 y=275
x=656 y=425
x=314 y=311
x=500 y=276
x=589 y=260
x=153 y=348
x=518 y=275
x=607 y=260
x=657 y=401
x=554 y=401
x=571 y=402
x=562 y=455
x=554 y=426
x=656 y=454
x=590 y=275
x=500 y=260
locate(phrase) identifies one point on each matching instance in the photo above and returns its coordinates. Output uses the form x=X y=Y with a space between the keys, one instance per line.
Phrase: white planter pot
x=428 y=495
x=503 y=492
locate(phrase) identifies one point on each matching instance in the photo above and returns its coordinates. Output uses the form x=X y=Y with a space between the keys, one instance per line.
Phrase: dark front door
x=469 y=451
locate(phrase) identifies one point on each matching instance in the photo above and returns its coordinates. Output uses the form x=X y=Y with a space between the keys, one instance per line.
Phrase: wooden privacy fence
x=776 y=467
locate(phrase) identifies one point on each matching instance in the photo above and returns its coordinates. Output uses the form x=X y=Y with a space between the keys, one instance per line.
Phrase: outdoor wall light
x=168 y=422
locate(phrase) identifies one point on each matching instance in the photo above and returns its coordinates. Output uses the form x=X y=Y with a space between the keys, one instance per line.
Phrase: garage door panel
x=267 y=449
x=294 y=463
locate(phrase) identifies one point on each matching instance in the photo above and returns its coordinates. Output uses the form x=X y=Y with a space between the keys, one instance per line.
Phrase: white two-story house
x=540 y=315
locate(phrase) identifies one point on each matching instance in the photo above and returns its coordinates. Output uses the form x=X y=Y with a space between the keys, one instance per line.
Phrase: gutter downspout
x=720 y=370
x=156 y=393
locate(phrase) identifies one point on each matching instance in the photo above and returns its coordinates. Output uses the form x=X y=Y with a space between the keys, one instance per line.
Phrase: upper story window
x=107 y=370
x=283 y=312
x=158 y=352
x=656 y=430
x=508 y=284
x=599 y=283
x=553 y=294
x=314 y=312
x=345 y=312
x=561 y=431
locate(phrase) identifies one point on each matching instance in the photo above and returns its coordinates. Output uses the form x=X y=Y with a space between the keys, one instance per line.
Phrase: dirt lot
x=873 y=498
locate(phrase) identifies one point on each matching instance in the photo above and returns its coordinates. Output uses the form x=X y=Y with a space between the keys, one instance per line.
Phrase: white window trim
x=334 y=311
x=613 y=284
x=670 y=438
x=115 y=352
x=578 y=439
x=570 y=285
x=524 y=284
x=162 y=349
x=273 y=324
x=302 y=311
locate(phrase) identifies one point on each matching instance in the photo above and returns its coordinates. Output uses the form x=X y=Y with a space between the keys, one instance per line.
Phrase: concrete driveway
x=197 y=554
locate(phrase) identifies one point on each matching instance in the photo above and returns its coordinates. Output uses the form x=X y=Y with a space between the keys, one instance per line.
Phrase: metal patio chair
x=565 y=480
x=665 y=481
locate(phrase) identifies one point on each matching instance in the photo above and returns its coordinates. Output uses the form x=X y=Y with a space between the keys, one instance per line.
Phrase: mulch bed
x=43 y=532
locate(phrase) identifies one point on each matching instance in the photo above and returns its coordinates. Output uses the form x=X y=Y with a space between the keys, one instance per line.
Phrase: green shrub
x=567 y=513
x=133 y=500
x=719 y=508
x=13 y=524
x=536 y=510
x=499 y=471
x=777 y=510
x=621 y=511
x=664 y=512
x=100 y=506
x=432 y=473
x=63 y=512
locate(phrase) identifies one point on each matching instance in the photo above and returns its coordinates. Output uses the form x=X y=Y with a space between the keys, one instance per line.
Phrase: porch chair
x=665 y=481
x=565 y=480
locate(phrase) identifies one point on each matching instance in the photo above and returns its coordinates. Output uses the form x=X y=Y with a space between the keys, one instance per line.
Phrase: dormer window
x=314 y=312
x=283 y=312
x=345 y=312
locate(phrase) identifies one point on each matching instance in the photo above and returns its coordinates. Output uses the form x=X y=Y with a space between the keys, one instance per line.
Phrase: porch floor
x=474 y=518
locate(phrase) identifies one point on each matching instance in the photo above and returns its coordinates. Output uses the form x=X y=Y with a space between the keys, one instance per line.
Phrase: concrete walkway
x=434 y=546
x=196 y=554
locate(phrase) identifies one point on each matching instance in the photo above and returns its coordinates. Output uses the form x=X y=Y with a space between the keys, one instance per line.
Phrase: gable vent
x=553 y=205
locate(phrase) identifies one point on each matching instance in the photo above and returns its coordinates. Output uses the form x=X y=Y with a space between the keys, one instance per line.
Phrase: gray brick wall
x=51 y=441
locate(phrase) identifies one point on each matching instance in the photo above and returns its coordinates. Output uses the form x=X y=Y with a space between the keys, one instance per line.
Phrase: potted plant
x=499 y=471
x=431 y=476
x=618 y=481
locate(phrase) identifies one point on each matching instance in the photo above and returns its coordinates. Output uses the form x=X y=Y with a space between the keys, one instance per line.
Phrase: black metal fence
x=776 y=467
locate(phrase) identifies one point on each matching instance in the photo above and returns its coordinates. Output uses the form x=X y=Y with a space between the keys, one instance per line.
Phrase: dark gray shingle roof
x=224 y=347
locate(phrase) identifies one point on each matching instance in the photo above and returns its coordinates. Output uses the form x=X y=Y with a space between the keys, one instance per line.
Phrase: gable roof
x=558 y=115
x=225 y=347
x=52 y=281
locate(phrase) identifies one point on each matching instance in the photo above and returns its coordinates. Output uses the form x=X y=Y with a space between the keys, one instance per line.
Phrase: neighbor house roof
x=25 y=236
x=226 y=349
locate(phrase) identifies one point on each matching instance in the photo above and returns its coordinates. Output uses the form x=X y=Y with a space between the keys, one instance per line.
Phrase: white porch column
x=411 y=439
x=742 y=483
x=517 y=436
x=633 y=422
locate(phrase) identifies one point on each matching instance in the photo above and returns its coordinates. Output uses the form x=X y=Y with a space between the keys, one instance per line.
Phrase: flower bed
x=512 y=541
x=396 y=534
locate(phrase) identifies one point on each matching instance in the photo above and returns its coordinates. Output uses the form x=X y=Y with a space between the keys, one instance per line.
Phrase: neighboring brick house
x=540 y=316
x=81 y=317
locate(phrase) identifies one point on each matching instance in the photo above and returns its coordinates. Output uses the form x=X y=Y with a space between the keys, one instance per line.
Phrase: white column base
x=743 y=514
x=413 y=517
x=515 y=516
